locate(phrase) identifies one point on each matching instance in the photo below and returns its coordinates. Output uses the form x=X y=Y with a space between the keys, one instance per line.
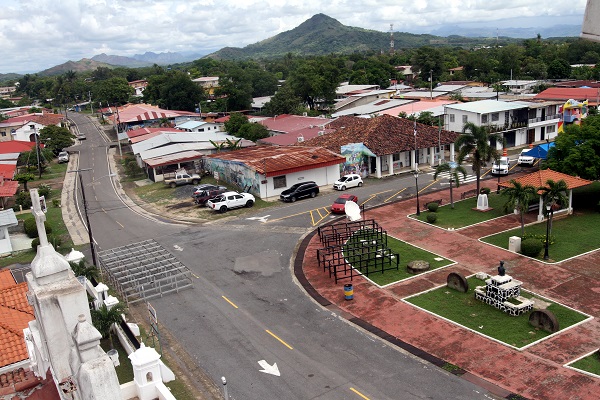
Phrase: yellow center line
x=282 y=342
x=229 y=301
x=359 y=393
x=120 y=224
x=195 y=276
x=425 y=187
x=394 y=195
x=289 y=216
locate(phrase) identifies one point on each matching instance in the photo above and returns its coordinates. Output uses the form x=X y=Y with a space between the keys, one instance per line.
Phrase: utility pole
x=90 y=100
x=118 y=123
x=85 y=211
x=37 y=150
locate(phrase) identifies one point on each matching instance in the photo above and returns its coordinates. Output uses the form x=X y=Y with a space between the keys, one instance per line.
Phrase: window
x=484 y=119
x=396 y=157
x=495 y=117
x=465 y=119
x=451 y=117
x=279 y=182
x=3 y=133
x=31 y=127
x=551 y=128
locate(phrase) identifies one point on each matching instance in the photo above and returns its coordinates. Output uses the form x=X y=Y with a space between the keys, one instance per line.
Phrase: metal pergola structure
x=142 y=271
x=354 y=249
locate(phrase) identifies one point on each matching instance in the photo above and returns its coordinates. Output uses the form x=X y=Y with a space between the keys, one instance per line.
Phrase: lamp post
x=430 y=84
x=548 y=209
x=416 y=175
x=498 y=188
x=453 y=166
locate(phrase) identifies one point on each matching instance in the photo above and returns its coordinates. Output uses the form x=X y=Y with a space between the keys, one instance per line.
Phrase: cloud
x=38 y=34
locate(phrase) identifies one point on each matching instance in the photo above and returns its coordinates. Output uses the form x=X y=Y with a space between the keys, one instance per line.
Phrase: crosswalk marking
x=446 y=176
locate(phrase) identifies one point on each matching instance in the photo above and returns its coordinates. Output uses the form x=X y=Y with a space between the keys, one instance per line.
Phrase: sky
x=39 y=34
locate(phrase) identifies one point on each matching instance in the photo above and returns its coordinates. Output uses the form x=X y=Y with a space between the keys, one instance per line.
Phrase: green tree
x=474 y=141
x=24 y=178
x=112 y=90
x=84 y=269
x=576 y=151
x=446 y=167
x=554 y=194
x=235 y=122
x=253 y=131
x=103 y=319
x=284 y=102
x=56 y=138
x=519 y=197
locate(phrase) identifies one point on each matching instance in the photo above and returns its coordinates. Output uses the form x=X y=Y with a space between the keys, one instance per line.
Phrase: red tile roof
x=280 y=160
x=8 y=188
x=7 y=171
x=580 y=94
x=382 y=135
x=16 y=146
x=287 y=123
x=539 y=178
x=43 y=119
x=15 y=314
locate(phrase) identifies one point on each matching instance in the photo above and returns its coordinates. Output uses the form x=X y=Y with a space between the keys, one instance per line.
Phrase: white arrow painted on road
x=269 y=369
x=176 y=247
x=261 y=219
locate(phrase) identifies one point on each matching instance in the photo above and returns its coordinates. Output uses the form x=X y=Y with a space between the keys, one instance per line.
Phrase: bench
x=533 y=207
x=439 y=202
x=468 y=193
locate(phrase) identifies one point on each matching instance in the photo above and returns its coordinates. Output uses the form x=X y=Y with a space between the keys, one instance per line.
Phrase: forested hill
x=322 y=35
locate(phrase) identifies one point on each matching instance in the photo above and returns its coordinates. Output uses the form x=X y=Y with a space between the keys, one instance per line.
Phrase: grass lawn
x=590 y=363
x=463 y=309
x=407 y=254
x=53 y=171
x=571 y=235
x=464 y=214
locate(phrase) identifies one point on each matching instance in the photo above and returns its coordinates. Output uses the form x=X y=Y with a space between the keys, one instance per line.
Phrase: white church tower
x=62 y=338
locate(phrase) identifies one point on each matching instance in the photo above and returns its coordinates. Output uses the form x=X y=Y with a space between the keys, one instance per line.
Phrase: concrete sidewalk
x=537 y=372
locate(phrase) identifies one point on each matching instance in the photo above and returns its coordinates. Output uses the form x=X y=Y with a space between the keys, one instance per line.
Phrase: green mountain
x=322 y=35
x=85 y=64
x=9 y=77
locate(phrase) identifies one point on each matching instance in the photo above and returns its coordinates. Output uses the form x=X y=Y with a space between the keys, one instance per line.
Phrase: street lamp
x=430 y=84
x=85 y=210
x=416 y=175
x=548 y=208
x=498 y=189
x=453 y=166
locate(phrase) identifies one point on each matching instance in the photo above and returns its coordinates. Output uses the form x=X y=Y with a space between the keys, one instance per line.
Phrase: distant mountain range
x=320 y=35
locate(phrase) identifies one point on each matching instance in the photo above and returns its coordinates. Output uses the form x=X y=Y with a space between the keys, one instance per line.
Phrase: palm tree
x=475 y=141
x=104 y=317
x=445 y=167
x=519 y=197
x=554 y=194
x=83 y=269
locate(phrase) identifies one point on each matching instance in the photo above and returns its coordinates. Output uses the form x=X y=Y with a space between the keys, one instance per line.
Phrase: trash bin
x=348 y=291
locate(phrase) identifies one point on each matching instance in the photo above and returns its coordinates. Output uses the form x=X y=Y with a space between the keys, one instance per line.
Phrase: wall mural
x=235 y=173
x=357 y=159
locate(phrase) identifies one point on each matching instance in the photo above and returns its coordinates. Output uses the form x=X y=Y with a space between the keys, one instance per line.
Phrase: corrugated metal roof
x=173 y=158
x=486 y=106
x=280 y=160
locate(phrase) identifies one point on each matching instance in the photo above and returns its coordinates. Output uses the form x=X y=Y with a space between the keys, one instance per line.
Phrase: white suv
x=63 y=156
x=229 y=200
x=348 y=181
x=526 y=159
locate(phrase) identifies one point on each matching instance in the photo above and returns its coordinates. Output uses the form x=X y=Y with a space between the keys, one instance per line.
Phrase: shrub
x=431 y=217
x=45 y=190
x=31 y=227
x=54 y=240
x=23 y=199
x=432 y=206
x=485 y=190
x=531 y=247
x=55 y=203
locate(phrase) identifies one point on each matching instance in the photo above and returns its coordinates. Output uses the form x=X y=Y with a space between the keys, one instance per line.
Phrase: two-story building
x=26 y=127
x=138 y=86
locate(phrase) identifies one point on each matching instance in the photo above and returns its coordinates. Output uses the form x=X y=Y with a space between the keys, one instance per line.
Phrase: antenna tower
x=391 y=38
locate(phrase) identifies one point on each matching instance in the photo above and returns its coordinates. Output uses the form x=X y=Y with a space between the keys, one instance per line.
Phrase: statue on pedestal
x=501 y=269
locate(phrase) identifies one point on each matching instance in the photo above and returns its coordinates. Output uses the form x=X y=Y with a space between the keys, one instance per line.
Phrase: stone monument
x=504 y=293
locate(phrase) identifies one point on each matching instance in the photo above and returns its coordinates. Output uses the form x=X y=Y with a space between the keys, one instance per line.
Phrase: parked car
x=348 y=181
x=202 y=196
x=501 y=166
x=339 y=205
x=300 y=190
x=181 y=177
x=207 y=186
x=525 y=159
x=81 y=136
x=63 y=157
x=229 y=200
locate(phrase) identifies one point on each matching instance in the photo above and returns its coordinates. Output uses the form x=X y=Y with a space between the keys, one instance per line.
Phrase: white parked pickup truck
x=525 y=159
x=229 y=200
x=501 y=166
x=181 y=177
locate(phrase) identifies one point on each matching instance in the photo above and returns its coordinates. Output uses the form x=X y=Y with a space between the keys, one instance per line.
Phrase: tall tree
x=446 y=167
x=519 y=197
x=474 y=141
x=554 y=194
x=56 y=138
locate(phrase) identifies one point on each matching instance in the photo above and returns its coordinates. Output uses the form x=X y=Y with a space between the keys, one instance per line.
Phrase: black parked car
x=202 y=196
x=300 y=190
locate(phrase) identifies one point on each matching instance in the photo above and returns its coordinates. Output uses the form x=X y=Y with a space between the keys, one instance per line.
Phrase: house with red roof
x=133 y=116
x=266 y=171
x=288 y=123
x=564 y=94
x=26 y=127
x=383 y=145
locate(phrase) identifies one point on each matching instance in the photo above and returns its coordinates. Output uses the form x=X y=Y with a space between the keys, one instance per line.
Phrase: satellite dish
x=352 y=211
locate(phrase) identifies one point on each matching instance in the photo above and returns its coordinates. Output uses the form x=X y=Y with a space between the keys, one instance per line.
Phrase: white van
x=501 y=166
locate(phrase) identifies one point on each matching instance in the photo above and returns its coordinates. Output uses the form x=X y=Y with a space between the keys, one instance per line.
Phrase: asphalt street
x=246 y=313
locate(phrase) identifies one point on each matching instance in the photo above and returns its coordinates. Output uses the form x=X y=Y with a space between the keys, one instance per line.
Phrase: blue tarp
x=541 y=150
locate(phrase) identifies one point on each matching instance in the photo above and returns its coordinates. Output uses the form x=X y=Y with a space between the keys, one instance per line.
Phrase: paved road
x=246 y=312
